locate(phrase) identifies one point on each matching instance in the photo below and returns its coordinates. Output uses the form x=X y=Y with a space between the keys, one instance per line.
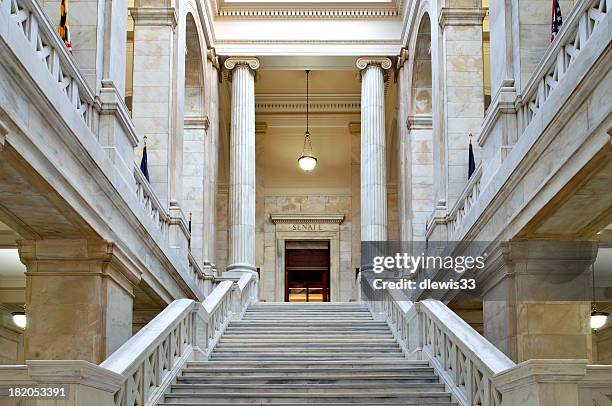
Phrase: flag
x=144 y=165
x=557 y=20
x=471 y=160
x=63 y=29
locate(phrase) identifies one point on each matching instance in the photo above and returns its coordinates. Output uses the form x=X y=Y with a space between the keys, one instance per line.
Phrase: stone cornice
x=307 y=218
x=319 y=103
x=461 y=16
x=382 y=61
x=308 y=10
x=111 y=103
x=233 y=61
x=154 y=16
x=329 y=13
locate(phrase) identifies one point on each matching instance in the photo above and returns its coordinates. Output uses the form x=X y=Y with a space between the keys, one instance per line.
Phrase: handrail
x=429 y=330
x=580 y=25
x=466 y=200
x=153 y=357
x=44 y=41
x=149 y=200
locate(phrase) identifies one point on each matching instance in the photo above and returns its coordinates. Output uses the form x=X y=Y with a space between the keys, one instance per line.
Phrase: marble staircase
x=316 y=354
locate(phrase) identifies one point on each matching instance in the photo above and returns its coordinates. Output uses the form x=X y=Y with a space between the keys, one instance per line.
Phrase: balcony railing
x=148 y=199
x=579 y=27
x=464 y=203
x=52 y=53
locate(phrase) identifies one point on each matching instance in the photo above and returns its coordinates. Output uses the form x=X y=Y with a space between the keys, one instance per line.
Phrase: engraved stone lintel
x=381 y=61
x=233 y=61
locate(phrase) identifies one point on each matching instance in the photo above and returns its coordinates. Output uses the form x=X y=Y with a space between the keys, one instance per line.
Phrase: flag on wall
x=144 y=164
x=557 y=20
x=63 y=29
x=471 y=160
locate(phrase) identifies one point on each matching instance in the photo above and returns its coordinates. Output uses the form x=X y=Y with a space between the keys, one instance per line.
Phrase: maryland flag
x=63 y=29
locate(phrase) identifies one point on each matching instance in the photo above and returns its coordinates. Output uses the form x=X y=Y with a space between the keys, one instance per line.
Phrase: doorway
x=307 y=271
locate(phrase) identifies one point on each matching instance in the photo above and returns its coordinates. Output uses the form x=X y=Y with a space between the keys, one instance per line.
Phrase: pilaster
x=79 y=296
x=153 y=94
x=536 y=299
x=463 y=90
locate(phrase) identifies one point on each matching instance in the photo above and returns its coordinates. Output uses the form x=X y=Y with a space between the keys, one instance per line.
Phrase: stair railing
x=429 y=330
x=185 y=330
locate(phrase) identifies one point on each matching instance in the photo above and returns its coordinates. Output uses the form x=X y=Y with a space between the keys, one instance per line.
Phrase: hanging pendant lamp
x=307 y=161
x=598 y=319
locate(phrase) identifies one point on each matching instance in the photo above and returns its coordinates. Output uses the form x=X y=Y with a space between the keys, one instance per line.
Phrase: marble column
x=242 y=164
x=211 y=161
x=536 y=301
x=79 y=299
x=373 y=162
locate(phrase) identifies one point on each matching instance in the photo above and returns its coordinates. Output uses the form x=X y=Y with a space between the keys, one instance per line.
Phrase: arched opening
x=421 y=101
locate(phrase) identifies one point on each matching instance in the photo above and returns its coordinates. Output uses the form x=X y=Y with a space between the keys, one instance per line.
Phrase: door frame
x=307 y=227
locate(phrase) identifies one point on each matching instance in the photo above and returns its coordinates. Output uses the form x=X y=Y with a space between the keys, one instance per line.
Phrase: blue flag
x=471 y=160
x=144 y=167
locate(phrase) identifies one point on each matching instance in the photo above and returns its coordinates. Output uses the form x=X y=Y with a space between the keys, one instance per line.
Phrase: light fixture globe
x=19 y=318
x=598 y=319
x=307 y=161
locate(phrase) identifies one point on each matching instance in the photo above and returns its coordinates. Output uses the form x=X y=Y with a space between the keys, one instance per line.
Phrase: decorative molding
x=247 y=41
x=154 y=16
x=354 y=128
x=307 y=218
x=322 y=10
x=381 y=61
x=233 y=61
x=319 y=103
x=261 y=128
x=461 y=16
x=309 y=13
x=419 y=122
x=196 y=122
x=74 y=372
x=112 y=103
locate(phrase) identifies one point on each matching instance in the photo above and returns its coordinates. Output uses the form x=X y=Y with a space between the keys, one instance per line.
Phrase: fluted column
x=373 y=162
x=242 y=164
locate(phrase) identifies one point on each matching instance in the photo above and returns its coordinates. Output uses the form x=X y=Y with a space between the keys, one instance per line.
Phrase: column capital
x=461 y=16
x=233 y=61
x=365 y=61
x=154 y=16
x=211 y=54
x=402 y=58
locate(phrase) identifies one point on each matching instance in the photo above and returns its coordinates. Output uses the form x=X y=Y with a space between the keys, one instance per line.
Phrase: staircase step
x=307 y=388
x=400 y=397
x=308 y=354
